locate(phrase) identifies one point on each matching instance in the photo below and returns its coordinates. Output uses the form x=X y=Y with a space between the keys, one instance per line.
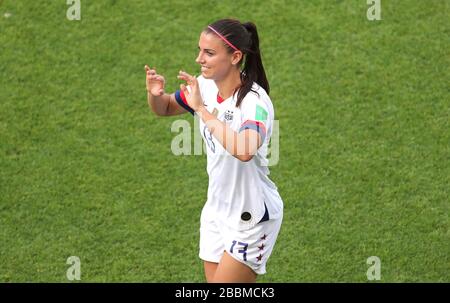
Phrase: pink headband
x=223 y=38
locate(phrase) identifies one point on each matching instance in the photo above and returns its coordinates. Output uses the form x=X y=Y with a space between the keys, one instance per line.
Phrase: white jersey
x=240 y=193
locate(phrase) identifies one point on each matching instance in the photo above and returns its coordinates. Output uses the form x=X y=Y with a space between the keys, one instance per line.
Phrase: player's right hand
x=155 y=83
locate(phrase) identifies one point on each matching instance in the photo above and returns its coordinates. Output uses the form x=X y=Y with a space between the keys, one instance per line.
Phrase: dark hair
x=244 y=37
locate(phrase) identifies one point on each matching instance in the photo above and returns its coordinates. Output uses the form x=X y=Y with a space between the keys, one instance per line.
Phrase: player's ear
x=236 y=57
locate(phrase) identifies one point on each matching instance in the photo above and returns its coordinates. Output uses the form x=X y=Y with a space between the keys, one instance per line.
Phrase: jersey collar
x=219 y=98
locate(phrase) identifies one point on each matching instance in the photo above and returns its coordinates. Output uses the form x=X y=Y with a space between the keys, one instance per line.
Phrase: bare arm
x=242 y=145
x=165 y=105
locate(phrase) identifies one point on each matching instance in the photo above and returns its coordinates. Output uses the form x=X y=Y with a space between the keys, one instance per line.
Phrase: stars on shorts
x=261 y=248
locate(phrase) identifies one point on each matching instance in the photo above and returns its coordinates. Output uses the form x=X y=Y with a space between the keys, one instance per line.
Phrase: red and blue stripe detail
x=181 y=99
x=255 y=125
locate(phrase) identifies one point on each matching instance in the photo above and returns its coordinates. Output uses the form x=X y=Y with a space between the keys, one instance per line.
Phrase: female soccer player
x=242 y=216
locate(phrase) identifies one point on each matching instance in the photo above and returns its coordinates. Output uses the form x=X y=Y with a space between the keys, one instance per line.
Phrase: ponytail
x=243 y=36
x=253 y=70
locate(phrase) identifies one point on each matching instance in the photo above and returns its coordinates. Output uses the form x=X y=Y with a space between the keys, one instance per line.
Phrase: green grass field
x=86 y=169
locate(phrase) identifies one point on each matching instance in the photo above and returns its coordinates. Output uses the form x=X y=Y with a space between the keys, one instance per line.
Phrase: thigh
x=210 y=270
x=229 y=270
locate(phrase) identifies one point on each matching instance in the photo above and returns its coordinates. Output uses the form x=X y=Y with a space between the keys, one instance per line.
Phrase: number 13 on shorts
x=242 y=251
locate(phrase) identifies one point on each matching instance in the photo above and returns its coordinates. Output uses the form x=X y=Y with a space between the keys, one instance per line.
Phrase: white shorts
x=251 y=247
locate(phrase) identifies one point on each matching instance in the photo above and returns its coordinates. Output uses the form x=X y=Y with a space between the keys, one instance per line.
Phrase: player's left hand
x=193 y=97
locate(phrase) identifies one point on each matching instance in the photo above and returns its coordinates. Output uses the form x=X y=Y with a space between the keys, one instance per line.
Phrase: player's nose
x=200 y=59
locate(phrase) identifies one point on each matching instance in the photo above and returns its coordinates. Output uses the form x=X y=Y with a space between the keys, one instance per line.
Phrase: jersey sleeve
x=255 y=115
x=181 y=100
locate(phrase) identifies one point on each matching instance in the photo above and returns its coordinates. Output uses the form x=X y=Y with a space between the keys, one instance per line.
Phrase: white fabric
x=236 y=187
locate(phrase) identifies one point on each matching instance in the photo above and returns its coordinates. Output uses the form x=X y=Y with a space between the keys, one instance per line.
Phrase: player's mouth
x=204 y=68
